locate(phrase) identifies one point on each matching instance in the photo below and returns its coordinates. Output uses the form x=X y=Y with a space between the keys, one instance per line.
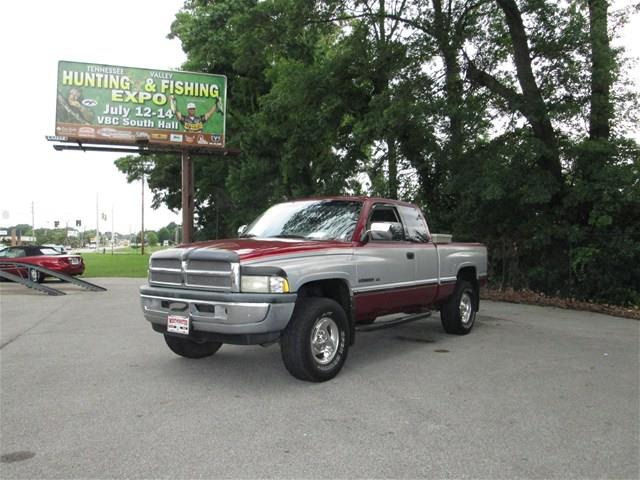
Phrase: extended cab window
x=385 y=224
x=414 y=224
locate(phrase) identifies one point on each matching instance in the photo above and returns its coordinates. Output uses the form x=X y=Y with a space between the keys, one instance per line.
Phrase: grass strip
x=118 y=265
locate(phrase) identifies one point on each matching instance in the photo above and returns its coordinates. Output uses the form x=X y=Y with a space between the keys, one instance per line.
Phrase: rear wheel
x=458 y=313
x=190 y=349
x=315 y=344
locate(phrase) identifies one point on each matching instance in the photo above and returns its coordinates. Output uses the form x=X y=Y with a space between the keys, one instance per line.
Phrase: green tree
x=22 y=230
x=552 y=188
x=504 y=119
x=151 y=237
x=164 y=235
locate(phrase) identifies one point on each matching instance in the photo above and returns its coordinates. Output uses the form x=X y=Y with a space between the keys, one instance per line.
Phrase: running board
x=392 y=323
x=52 y=273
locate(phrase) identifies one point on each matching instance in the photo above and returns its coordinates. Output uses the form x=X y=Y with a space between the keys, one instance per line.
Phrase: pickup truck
x=304 y=274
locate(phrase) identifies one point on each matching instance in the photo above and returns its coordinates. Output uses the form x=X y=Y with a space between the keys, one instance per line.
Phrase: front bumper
x=228 y=317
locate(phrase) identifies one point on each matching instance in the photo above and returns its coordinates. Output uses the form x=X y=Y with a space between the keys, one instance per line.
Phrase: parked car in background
x=42 y=256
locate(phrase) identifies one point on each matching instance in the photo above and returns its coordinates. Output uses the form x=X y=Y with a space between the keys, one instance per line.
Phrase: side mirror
x=379 y=231
x=242 y=229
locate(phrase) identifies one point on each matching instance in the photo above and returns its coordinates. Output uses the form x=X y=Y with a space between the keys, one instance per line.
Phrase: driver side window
x=386 y=217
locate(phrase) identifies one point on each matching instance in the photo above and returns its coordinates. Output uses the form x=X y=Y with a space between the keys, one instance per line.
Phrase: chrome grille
x=166 y=263
x=208 y=269
x=199 y=280
x=209 y=265
x=173 y=278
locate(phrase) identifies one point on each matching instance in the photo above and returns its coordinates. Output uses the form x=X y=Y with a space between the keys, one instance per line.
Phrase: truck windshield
x=309 y=220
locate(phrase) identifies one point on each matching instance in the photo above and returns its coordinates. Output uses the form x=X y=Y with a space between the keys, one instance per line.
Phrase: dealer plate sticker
x=178 y=324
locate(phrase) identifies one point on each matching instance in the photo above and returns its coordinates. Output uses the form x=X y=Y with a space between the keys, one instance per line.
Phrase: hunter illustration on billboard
x=124 y=105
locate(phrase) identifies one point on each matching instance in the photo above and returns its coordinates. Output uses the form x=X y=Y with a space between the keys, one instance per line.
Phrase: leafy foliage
x=506 y=120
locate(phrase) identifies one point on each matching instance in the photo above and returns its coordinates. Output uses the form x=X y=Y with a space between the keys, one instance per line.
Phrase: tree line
x=74 y=238
x=507 y=121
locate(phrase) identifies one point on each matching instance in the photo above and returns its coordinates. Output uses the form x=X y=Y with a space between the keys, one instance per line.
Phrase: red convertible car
x=42 y=256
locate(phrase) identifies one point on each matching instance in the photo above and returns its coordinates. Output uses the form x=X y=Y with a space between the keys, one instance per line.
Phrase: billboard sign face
x=133 y=106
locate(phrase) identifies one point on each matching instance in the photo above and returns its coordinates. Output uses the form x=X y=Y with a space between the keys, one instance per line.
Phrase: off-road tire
x=190 y=349
x=458 y=313
x=313 y=319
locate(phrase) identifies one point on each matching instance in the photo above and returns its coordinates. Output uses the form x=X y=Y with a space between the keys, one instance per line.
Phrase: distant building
x=20 y=240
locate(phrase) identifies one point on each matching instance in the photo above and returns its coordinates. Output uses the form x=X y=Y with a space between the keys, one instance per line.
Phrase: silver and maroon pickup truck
x=305 y=273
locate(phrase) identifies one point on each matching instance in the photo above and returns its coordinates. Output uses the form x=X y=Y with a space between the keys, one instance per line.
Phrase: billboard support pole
x=187 y=197
x=142 y=215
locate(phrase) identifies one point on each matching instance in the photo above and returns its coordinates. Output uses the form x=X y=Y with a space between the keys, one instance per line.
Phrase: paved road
x=88 y=390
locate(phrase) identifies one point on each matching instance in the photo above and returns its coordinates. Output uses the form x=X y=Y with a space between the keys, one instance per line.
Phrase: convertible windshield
x=308 y=219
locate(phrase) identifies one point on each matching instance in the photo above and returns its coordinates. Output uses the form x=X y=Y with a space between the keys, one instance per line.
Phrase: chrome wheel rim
x=325 y=340
x=466 y=309
x=33 y=275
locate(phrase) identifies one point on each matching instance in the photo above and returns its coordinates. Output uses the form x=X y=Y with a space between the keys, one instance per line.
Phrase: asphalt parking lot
x=88 y=390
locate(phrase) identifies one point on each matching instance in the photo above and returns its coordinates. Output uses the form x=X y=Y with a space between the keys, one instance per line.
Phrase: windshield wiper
x=247 y=235
x=289 y=236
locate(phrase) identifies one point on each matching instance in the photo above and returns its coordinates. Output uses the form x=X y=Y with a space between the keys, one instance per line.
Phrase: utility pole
x=33 y=221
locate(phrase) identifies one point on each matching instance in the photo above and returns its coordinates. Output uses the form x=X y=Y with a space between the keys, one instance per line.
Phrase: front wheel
x=315 y=344
x=190 y=349
x=36 y=276
x=458 y=313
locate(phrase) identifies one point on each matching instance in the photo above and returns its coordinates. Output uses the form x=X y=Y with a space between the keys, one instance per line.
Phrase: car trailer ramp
x=51 y=273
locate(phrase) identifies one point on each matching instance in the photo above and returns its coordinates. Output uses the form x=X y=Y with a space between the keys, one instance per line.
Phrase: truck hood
x=254 y=248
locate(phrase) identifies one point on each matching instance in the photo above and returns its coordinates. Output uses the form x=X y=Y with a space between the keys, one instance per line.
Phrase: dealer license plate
x=178 y=324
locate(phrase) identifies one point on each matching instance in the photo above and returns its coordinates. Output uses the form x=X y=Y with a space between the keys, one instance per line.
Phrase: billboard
x=132 y=106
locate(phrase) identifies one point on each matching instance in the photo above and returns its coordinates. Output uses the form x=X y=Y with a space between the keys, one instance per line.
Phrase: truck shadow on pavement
x=389 y=344
x=262 y=366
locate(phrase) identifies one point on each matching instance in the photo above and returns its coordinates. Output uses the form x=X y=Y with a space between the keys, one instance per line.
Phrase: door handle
x=411 y=255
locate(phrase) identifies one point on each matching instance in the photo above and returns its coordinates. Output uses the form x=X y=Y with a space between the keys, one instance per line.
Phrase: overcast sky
x=63 y=185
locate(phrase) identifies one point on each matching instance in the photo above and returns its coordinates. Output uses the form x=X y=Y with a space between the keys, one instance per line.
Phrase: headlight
x=264 y=284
